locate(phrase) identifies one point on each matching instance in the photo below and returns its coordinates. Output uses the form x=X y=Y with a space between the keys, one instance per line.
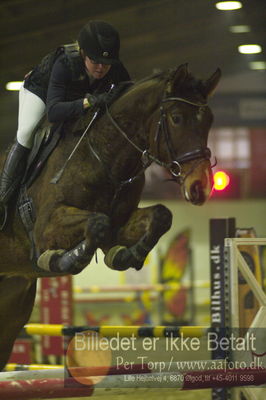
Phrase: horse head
x=179 y=130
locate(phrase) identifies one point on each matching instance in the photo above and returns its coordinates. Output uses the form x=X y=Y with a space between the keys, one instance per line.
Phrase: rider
x=67 y=81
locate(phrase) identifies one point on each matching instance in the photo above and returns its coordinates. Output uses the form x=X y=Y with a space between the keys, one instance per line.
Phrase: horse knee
x=162 y=219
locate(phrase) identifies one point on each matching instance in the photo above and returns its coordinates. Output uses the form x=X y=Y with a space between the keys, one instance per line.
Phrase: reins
x=58 y=175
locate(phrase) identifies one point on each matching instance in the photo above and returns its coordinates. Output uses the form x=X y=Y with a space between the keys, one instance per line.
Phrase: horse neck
x=134 y=110
x=132 y=113
x=143 y=96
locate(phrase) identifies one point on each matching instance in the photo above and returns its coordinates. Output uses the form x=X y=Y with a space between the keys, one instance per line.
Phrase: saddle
x=46 y=139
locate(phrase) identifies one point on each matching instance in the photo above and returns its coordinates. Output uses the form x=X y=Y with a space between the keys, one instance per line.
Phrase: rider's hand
x=106 y=98
x=99 y=100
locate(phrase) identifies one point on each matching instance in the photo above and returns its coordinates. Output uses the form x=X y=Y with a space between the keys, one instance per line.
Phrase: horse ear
x=178 y=77
x=180 y=73
x=210 y=84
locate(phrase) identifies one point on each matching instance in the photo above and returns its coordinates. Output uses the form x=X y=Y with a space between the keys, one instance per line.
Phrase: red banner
x=56 y=307
x=22 y=351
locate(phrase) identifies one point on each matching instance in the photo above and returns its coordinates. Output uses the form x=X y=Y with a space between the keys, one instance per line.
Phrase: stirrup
x=4 y=217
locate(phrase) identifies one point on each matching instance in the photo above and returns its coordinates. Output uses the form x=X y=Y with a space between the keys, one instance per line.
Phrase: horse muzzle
x=197 y=185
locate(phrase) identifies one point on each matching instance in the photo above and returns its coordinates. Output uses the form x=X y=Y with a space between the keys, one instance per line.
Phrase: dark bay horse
x=163 y=119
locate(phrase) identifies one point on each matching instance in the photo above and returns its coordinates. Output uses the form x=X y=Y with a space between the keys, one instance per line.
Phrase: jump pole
x=62 y=372
x=52 y=388
x=43 y=389
x=112 y=331
x=12 y=367
x=157 y=287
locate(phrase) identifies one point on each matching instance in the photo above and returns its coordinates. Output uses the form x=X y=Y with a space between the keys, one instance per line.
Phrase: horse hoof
x=120 y=258
x=98 y=229
x=110 y=257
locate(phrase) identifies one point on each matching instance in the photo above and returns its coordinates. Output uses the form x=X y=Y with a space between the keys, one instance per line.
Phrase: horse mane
x=159 y=76
x=190 y=82
x=189 y=86
x=149 y=84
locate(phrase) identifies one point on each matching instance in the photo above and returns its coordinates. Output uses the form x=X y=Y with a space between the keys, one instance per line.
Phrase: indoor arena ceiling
x=155 y=34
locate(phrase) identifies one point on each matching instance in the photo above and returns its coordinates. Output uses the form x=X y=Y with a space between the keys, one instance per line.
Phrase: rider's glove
x=99 y=100
x=107 y=98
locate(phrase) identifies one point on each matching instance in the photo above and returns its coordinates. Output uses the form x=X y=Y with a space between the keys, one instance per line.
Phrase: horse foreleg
x=17 y=300
x=63 y=250
x=137 y=238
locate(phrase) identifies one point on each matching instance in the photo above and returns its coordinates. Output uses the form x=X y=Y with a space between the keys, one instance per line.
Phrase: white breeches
x=31 y=110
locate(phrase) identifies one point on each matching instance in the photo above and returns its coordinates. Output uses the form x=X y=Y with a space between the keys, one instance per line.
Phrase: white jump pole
x=59 y=388
x=159 y=366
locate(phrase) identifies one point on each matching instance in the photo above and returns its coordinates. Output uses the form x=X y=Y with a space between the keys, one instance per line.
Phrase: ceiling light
x=249 y=49
x=258 y=65
x=13 y=85
x=228 y=5
x=239 y=28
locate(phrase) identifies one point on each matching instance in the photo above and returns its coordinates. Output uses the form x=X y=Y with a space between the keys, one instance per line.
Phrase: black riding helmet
x=100 y=42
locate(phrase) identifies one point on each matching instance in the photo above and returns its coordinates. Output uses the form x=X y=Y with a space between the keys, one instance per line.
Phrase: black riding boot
x=12 y=173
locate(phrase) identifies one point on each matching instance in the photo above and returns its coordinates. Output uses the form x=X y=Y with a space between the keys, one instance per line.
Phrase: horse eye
x=176 y=118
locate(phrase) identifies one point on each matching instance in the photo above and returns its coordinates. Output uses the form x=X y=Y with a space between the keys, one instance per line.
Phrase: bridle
x=175 y=166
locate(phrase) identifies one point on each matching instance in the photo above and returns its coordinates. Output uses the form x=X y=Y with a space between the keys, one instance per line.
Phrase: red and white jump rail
x=69 y=387
x=31 y=371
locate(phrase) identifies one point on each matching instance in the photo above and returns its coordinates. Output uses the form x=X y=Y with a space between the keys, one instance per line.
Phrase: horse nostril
x=197 y=193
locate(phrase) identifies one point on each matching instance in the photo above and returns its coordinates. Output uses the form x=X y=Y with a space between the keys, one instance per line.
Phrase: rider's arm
x=58 y=108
